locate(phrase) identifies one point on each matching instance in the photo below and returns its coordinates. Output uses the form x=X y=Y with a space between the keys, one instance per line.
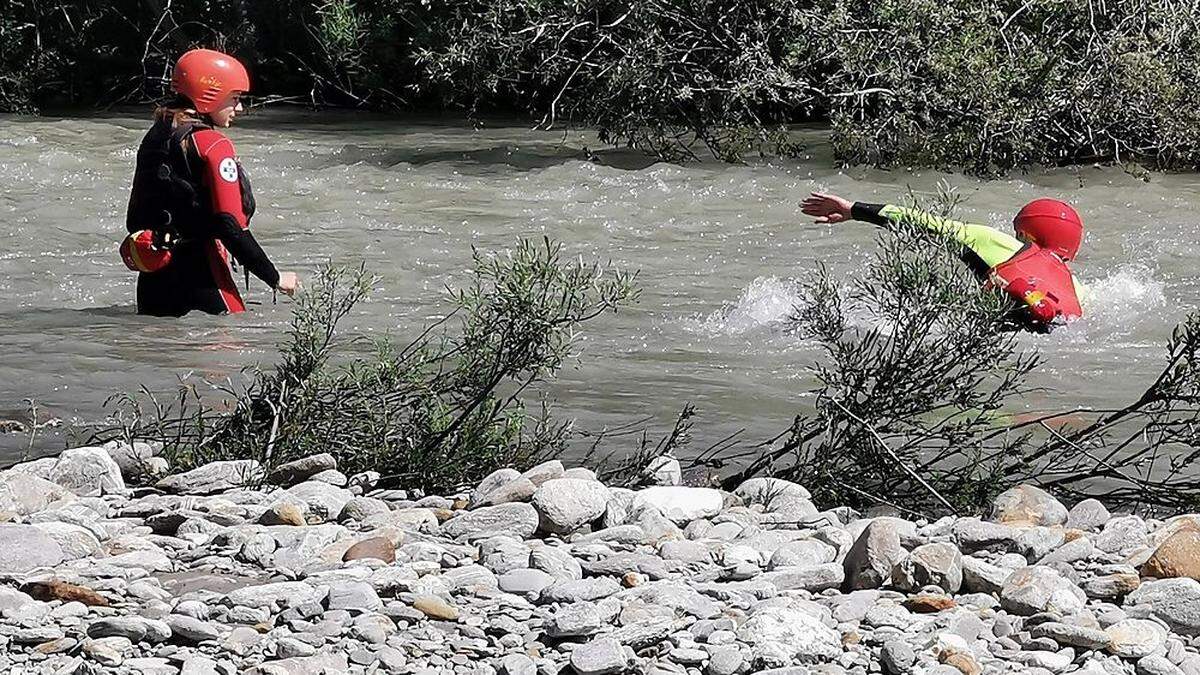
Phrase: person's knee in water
x=1030 y=267
x=191 y=202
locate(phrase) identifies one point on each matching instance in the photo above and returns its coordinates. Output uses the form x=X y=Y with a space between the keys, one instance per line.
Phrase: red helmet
x=1051 y=224
x=141 y=253
x=207 y=77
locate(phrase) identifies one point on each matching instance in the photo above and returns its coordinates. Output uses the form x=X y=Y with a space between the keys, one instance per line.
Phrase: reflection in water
x=720 y=248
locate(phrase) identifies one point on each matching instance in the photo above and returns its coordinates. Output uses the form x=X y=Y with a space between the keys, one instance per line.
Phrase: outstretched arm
x=991 y=245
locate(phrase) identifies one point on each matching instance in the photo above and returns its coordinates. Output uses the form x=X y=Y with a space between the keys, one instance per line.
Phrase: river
x=719 y=249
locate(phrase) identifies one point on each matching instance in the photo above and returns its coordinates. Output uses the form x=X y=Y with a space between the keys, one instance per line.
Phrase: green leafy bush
x=445 y=409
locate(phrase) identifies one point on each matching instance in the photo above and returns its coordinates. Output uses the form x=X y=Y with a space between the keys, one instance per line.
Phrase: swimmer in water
x=1030 y=267
x=191 y=202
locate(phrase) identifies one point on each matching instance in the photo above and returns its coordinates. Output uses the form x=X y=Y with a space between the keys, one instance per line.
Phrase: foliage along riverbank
x=982 y=86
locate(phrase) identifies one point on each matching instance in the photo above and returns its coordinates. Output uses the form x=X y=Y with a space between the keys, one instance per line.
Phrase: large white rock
x=25 y=493
x=25 y=547
x=566 y=504
x=88 y=472
x=783 y=636
x=765 y=490
x=517 y=519
x=288 y=593
x=1174 y=601
x=213 y=477
x=682 y=504
x=1135 y=638
x=876 y=551
x=319 y=501
x=1034 y=589
x=74 y=540
x=1028 y=505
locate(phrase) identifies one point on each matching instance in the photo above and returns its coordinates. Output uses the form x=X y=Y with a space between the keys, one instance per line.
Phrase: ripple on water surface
x=721 y=251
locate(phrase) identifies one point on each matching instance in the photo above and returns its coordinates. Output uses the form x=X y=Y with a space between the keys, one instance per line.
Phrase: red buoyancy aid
x=1041 y=281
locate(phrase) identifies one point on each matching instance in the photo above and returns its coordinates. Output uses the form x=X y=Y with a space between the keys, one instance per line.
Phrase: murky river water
x=718 y=247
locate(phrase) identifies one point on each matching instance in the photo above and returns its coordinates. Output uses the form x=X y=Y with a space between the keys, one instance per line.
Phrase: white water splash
x=1123 y=298
x=766 y=302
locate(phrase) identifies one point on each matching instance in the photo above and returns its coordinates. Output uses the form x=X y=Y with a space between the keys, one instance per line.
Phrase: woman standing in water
x=191 y=202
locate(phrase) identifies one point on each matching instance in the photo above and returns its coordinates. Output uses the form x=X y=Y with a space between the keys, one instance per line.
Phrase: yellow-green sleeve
x=991 y=245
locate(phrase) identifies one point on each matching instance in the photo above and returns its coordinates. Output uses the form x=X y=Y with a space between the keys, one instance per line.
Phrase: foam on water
x=766 y=303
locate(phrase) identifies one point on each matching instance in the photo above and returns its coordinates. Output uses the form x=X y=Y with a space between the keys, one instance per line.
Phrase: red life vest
x=1039 y=280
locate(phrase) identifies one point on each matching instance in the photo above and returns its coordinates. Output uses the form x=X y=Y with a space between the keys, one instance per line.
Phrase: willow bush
x=441 y=410
x=982 y=85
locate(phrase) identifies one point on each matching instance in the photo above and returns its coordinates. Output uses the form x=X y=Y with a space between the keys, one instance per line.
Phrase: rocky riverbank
x=550 y=571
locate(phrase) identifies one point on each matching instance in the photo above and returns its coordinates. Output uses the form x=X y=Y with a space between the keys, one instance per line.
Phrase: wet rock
x=1030 y=590
x=682 y=504
x=213 y=477
x=1135 y=638
x=566 y=504
x=1088 y=515
x=930 y=564
x=25 y=547
x=302 y=469
x=876 y=551
x=1027 y=505
x=519 y=520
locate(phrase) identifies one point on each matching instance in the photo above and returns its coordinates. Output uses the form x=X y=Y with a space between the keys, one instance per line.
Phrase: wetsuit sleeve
x=232 y=225
x=991 y=245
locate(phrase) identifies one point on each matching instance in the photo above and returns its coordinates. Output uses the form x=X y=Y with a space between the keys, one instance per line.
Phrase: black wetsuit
x=188 y=182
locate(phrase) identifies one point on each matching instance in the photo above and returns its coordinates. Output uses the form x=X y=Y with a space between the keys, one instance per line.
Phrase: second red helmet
x=1051 y=224
x=207 y=77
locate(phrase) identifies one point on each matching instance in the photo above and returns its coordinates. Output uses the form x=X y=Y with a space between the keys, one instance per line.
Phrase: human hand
x=827 y=208
x=289 y=283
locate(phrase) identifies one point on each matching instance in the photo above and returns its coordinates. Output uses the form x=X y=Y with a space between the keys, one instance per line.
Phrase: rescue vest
x=1039 y=280
x=169 y=203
